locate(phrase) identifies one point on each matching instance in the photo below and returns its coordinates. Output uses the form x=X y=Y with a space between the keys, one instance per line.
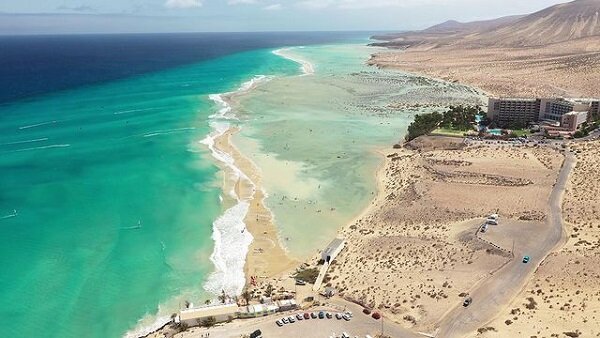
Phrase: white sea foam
x=225 y=111
x=232 y=241
x=143 y=329
x=307 y=67
x=231 y=237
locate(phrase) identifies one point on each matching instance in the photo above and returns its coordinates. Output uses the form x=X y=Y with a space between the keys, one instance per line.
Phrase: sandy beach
x=266 y=257
x=568 y=70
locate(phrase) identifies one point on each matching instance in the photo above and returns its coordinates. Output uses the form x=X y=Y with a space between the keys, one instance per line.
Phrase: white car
x=291 y=319
x=279 y=323
x=285 y=320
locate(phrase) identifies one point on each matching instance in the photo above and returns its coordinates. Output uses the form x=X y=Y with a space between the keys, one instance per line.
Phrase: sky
x=145 y=16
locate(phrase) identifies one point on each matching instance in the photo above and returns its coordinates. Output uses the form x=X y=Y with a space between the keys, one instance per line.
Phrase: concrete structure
x=332 y=250
x=221 y=313
x=554 y=109
x=287 y=305
x=594 y=110
x=258 y=310
x=573 y=120
x=507 y=111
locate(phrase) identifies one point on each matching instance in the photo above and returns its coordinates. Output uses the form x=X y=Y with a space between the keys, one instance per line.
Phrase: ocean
x=110 y=190
x=107 y=196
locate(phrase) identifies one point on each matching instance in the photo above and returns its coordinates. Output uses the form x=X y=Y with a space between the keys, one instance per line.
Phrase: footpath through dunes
x=415 y=254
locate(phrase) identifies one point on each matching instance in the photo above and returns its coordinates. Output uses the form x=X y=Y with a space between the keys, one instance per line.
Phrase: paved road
x=493 y=294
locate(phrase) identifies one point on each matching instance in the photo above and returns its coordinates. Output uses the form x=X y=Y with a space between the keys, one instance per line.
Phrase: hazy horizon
x=189 y=16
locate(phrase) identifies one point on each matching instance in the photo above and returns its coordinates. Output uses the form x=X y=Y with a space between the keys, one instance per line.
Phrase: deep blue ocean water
x=33 y=65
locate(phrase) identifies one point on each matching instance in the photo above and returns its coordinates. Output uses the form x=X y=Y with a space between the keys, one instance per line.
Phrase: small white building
x=258 y=310
x=221 y=313
x=333 y=249
x=287 y=305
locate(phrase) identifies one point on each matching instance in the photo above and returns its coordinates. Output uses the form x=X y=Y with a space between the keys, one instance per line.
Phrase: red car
x=306 y=315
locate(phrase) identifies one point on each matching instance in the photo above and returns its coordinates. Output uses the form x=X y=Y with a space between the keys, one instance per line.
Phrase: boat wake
x=24 y=142
x=38 y=125
x=14 y=214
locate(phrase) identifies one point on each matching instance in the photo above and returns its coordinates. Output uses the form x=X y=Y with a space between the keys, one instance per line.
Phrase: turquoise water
x=316 y=137
x=114 y=198
x=108 y=198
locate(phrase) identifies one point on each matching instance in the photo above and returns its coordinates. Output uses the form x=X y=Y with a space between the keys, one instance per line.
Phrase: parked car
x=299 y=316
x=346 y=317
x=300 y=282
x=291 y=319
x=306 y=315
x=321 y=315
x=256 y=334
x=467 y=301
x=279 y=323
x=285 y=320
x=313 y=315
x=338 y=316
x=491 y=221
x=526 y=259
x=329 y=315
x=366 y=311
x=376 y=315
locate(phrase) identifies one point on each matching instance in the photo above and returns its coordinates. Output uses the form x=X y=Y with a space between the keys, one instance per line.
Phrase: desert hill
x=556 y=24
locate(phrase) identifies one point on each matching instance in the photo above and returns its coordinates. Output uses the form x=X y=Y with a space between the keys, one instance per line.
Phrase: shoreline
x=266 y=256
x=307 y=67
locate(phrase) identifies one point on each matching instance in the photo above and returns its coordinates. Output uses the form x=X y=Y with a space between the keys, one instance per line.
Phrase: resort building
x=554 y=109
x=507 y=111
x=332 y=250
x=522 y=111
x=573 y=120
x=594 y=110
x=221 y=313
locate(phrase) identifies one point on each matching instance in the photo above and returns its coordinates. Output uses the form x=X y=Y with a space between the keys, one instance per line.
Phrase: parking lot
x=359 y=325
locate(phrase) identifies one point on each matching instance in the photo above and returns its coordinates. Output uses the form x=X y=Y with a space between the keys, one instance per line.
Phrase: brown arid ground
x=414 y=254
x=568 y=69
x=563 y=298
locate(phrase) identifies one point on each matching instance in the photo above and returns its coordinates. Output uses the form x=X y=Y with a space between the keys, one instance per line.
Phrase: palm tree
x=269 y=291
x=247 y=296
x=223 y=297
